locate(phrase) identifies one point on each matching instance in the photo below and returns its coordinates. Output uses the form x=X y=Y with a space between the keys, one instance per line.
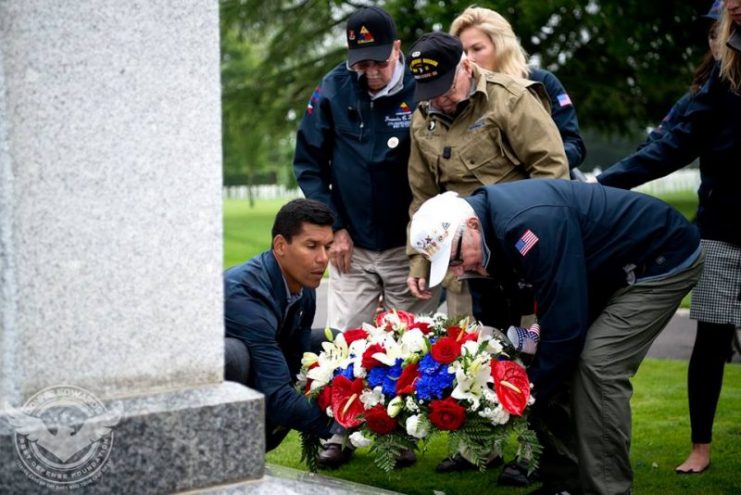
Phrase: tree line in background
x=623 y=62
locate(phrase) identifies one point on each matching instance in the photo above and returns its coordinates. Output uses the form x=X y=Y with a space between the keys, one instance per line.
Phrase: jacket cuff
x=419 y=267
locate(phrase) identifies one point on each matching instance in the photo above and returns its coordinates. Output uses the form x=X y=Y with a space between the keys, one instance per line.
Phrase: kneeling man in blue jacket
x=269 y=305
x=608 y=269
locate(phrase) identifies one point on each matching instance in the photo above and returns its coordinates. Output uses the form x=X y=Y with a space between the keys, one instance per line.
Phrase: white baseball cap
x=433 y=228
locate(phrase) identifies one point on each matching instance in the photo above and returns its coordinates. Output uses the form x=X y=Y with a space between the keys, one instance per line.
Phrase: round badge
x=393 y=142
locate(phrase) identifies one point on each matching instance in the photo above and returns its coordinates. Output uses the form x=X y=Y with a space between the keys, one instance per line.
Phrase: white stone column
x=110 y=232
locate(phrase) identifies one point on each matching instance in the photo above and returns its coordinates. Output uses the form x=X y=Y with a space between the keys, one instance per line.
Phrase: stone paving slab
x=280 y=480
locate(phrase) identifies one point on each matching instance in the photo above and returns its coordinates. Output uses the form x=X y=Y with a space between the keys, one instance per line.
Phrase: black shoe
x=405 y=459
x=333 y=456
x=459 y=463
x=515 y=474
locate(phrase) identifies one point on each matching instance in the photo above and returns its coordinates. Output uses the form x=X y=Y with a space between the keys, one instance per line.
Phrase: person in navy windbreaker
x=709 y=128
x=269 y=306
x=352 y=149
x=608 y=269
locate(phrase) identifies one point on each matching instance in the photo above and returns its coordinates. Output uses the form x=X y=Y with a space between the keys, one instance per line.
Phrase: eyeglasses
x=364 y=65
x=457 y=260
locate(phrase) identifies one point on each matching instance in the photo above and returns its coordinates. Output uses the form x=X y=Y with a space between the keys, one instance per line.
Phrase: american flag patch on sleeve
x=526 y=242
x=564 y=100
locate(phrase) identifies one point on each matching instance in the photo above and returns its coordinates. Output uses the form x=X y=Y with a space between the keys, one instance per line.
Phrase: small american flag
x=526 y=242
x=564 y=100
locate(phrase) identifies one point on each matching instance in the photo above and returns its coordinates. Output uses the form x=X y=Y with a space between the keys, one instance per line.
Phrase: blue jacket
x=564 y=115
x=256 y=311
x=588 y=241
x=709 y=128
x=670 y=119
x=351 y=154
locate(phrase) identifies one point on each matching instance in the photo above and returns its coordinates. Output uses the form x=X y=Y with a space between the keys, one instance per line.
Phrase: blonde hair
x=511 y=58
x=730 y=59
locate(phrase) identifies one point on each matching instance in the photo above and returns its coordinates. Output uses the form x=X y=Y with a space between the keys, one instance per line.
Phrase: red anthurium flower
x=379 y=421
x=447 y=414
x=351 y=335
x=346 y=405
x=324 y=399
x=368 y=361
x=445 y=350
x=512 y=385
x=409 y=375
x=460 y=335
x=407 y=319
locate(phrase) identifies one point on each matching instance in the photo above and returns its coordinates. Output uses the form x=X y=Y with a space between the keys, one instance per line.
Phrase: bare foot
x=698 y=460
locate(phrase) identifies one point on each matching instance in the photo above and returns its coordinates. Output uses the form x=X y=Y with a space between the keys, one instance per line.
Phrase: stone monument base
x=163 y=443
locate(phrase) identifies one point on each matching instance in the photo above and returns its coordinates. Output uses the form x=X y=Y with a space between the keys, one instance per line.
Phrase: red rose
x=346 y=405
x=512 y=385
x=423 y=327
x=447 y=414
x=354 y=334
x=368 y=361
x=409 y=375
x=406 y=319
x=324 y=399
x=445 y=350
x=379 y=421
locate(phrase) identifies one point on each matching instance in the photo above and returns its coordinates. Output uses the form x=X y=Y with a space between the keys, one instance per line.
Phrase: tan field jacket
x=505 y=133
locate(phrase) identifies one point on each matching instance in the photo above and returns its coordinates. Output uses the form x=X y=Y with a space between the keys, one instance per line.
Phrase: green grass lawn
x=660 y=442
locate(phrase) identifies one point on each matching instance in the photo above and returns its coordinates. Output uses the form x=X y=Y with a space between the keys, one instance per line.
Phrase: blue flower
x=433 y=380
x=347 y=372
x=385 y=377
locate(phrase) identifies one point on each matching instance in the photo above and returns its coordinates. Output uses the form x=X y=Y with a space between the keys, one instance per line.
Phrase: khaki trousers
x=353 y=296
x=601 y=390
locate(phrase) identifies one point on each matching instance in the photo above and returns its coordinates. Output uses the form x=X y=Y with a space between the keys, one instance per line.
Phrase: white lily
x=392 y=351
x=471 y=382
x=308 y=359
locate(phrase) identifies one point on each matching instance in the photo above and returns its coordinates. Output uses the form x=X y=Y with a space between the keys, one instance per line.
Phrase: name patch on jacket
x=401 y=119
x=526 y=242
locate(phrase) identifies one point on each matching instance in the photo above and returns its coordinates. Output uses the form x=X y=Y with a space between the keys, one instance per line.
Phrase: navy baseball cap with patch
x=433 y=60
x=371 y=33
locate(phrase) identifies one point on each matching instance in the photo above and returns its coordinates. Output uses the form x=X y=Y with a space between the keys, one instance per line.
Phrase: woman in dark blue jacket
x=709 y=128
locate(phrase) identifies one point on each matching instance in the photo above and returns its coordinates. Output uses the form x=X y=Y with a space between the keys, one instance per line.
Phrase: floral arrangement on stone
x=396 y=383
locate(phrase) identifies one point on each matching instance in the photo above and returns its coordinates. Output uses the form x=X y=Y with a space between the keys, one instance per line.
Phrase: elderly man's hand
x=418 y=287
x=340 y=254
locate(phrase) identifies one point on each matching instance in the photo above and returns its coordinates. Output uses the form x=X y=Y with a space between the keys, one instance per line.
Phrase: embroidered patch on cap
x=526 y=242
x=365 y=36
